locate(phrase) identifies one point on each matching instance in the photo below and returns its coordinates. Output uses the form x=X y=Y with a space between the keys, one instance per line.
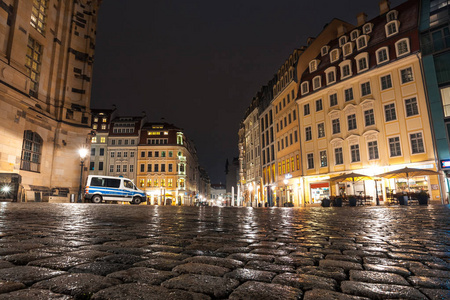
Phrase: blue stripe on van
x=113 y=192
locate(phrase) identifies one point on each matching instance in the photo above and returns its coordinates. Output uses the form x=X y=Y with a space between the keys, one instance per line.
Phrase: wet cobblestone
x=87 y=251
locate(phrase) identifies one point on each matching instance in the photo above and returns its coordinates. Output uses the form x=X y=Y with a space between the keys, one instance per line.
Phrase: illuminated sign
x=445 y=164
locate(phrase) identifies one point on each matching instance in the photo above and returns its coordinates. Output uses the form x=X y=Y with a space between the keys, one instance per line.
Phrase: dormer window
x=334 y=55
x=382 y=55
x=346 y=70
x=313 y=65
x=324 y=50
x=330 y=75
x=367 y=28
x=362 y=62
x=317 y=82
x=342 y=41
x=361 y=42
x=347 y=49
x=402 y=47
x=392 y=28
x=354 y=34
x=391 y=16
x=305 y=87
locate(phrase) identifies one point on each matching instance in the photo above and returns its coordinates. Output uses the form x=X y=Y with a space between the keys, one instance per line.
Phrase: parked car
x=103 y=188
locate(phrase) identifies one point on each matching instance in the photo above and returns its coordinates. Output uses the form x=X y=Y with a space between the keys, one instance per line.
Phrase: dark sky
x=198 y=64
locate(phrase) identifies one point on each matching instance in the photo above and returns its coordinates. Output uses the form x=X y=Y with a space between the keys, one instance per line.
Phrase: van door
x=128 y=188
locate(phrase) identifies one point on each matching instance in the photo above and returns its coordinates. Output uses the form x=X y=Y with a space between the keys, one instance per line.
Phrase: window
x=163 y=168
x=149 y=167
x=411 y=106
x=324 y=50
x=156 y=153
x=94 y=126
x=336 y=126
x=345 y=68
x=111 y=168
x=308 y=133
x=362 y=64
x=306 y=110
x=361 y=42
x=382 y=55
x=391 y=28
x=373 y=149
x=305 y=88
x=294 y=115
x=119 y=154
x=321 y=130
x=354 y=151
x=124 y=168
x=33 y=64
x=347 y=49
x=132 y=154
x=92 y=151
x=103 y=140
x=406 y=75
x=389 y=112
x=310 y=158
x=402 y=47
x=394 y=146
x=103 y=126
x=365 y=89
x=417 y=143
x=333 y=100
x=317 y=82
x=323 y=159
x=38 y=15
x=112 y=154
x=334 y=55
x=125 y=154
x=391 y=16
x=386 y=82
x=319 y=106
x=351 y=121
x=338 y=156
x=354 y=35
x=131 y=168
x=369 y=117
x=142 y=168
x=367 y=28
x=100 y=166
x=348 y=93
x=156 y=168
x=102 y=151
x=312 y=66
x=118 y=168
x=31 y=151
x=342 y=41
x=170 y=167
x=331 y=77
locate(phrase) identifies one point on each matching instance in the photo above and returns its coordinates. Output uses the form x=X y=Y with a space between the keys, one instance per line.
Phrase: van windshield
x=128 y=184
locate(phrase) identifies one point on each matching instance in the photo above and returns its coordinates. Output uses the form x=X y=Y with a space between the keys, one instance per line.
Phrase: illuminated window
x=334 y=55
x=38 y=15
x=94 y=139
x=149 y=182
x=155 y=182
x=324 y=50
x=392 y=28
x=323 y=159
x=163 y=182
x=103 y=140
x=169 y=182
x=33 y=64
x=312 y=66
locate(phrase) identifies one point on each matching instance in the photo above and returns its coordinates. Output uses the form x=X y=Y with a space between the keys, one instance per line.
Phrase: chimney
x=361 y=18
x=384 y=6
x=341 y=30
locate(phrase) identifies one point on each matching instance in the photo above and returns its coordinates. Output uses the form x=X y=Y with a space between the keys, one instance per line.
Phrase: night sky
x=198 y=64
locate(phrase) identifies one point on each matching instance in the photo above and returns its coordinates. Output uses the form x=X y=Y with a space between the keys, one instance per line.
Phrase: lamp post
x=285 y=192
x=82 y=152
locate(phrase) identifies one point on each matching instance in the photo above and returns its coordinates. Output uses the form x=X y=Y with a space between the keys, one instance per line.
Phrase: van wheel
x=96 y=199
x=136 y=200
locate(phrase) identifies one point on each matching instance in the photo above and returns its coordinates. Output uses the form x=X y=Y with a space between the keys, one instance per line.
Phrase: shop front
x=319 y=191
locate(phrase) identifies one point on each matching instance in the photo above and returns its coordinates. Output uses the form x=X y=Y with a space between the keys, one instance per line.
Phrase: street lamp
x=82 y=152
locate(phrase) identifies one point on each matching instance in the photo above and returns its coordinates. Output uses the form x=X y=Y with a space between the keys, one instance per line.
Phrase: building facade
x=364 y=108
x=167 y=165
x=47 y=53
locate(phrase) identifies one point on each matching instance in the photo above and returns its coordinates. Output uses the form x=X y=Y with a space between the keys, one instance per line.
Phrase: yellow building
x=167 y=165
x=363 y=108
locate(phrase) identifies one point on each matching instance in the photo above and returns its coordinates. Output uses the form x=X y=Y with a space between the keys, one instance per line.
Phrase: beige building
x=363 y=108
x=46 y=60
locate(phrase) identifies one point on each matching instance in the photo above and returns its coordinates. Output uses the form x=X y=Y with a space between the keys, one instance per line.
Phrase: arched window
x=31 y=152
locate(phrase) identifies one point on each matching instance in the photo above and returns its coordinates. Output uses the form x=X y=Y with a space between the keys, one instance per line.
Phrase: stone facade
x=46 y=61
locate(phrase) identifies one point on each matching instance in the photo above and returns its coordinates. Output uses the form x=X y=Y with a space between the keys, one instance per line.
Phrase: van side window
x=96 y=181
x=114 y=183
x=128 y=184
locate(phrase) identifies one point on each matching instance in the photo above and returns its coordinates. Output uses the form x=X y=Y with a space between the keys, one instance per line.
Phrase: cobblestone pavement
x=87 y=251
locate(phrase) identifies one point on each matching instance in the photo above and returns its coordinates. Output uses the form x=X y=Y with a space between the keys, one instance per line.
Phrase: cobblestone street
x=87 y=251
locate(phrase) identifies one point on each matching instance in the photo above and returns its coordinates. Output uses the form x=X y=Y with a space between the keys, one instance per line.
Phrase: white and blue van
x=101 y=188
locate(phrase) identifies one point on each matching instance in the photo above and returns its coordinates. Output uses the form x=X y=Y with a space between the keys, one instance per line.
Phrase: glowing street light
x=82 y=152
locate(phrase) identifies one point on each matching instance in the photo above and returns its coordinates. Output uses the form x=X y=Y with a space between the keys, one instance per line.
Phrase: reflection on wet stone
x=71 y=251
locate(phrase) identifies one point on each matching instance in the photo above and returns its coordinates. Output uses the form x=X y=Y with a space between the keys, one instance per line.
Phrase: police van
x=101 y=188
